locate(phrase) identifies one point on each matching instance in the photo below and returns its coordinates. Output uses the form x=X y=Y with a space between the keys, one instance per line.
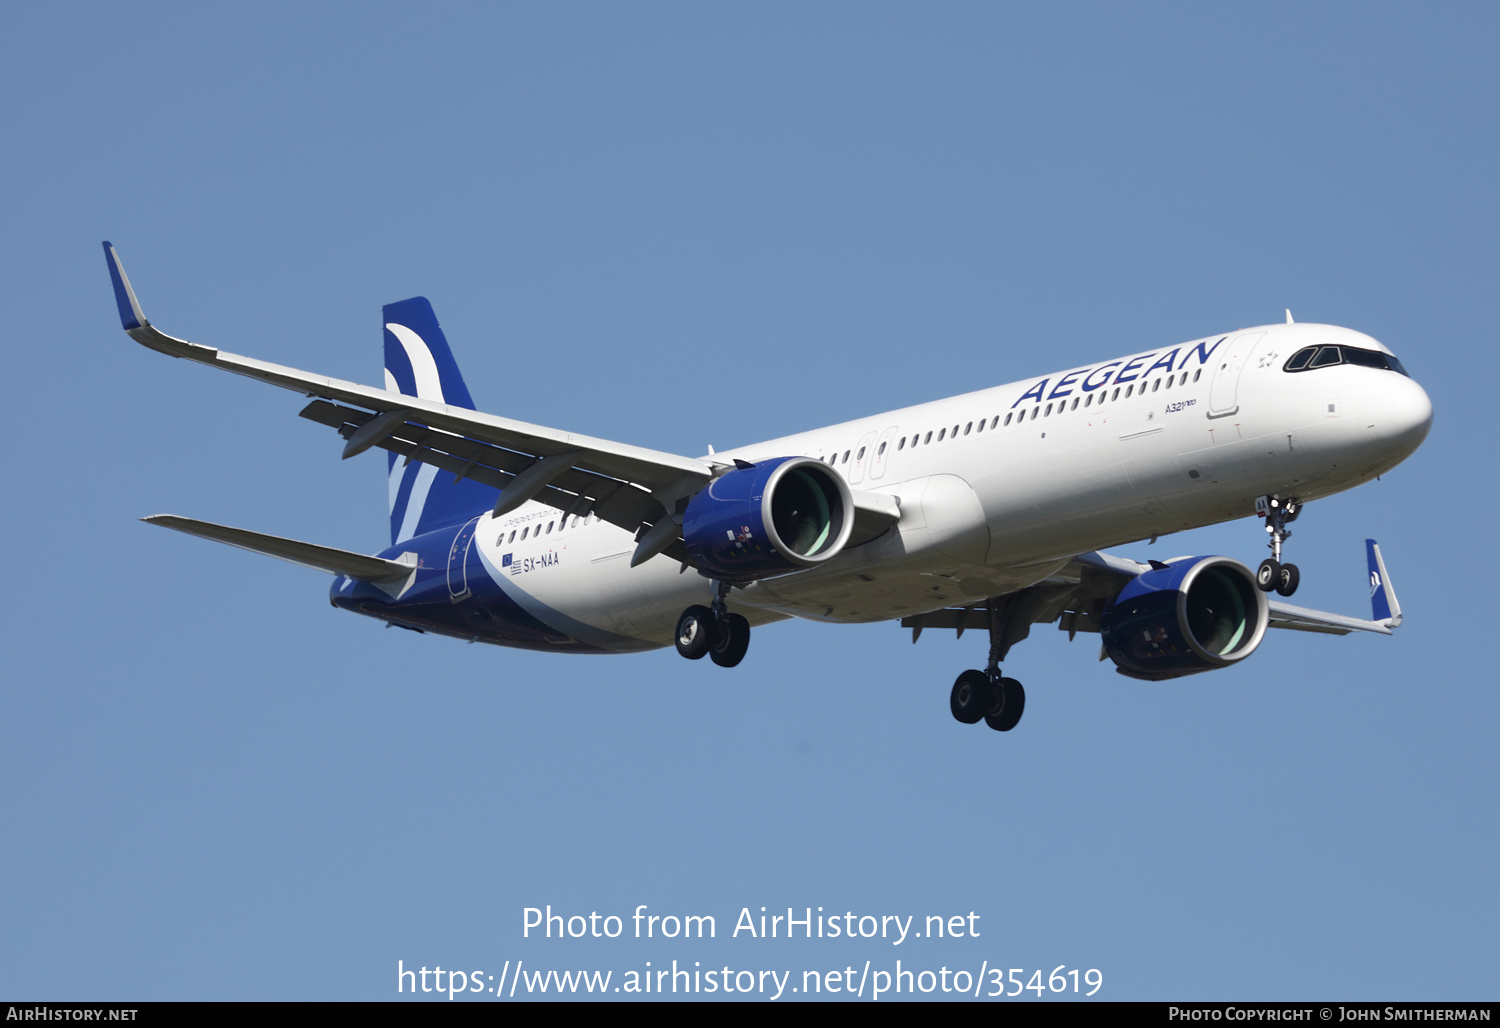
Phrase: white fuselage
x=998 y=488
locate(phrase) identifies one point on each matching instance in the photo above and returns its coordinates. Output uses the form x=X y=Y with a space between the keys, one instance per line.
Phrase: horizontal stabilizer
x=375 y=570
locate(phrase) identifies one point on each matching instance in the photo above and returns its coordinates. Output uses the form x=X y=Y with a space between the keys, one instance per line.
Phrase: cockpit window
x=1312 y=357
x=1299 y=360
x=1372 y=359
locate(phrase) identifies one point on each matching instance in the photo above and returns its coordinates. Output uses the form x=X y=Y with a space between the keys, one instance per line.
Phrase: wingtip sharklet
x=1384 y=606
x=130 y=308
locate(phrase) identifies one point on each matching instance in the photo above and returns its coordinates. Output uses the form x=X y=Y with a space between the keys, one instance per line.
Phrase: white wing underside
x=1074 y=595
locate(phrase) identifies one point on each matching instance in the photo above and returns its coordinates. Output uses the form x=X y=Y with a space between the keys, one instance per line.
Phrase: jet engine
x=1190 y=615
x=767 y=519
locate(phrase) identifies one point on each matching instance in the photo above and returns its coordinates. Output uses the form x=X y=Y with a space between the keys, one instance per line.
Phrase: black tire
x=1267 y=575
x=971 y=698
x=694 y=630
x=1286 y=582
x=729 y=640
x=1010 y=711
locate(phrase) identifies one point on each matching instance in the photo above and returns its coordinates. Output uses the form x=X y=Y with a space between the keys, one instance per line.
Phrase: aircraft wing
x=629 y=486
x=1076 y=593
x=626 y=485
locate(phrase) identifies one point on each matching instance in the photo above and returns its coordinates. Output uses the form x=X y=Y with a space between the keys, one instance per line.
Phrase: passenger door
x=458 y=562
x=1223 y=393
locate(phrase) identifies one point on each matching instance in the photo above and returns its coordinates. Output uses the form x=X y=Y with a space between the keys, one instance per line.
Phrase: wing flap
x=573 y=491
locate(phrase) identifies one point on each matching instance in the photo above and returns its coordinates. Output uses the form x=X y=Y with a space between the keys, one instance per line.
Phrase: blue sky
x=682 y=225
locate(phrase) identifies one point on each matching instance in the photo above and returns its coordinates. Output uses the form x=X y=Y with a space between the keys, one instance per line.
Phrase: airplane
x=991 y=510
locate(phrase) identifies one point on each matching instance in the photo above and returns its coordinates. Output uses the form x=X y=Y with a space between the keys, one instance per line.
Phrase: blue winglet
x=130 y=311
x=1383 y=603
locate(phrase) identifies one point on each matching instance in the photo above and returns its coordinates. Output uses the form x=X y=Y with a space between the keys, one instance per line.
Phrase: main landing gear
x=713 y=631
x=984 y=695
x=1272 y=575
x=998 y=702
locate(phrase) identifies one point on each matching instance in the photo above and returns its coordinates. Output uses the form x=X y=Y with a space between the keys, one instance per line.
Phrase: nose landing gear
x=1272 y=575
x=713 y=631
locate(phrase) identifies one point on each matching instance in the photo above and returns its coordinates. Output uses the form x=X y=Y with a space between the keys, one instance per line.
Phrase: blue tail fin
x=418 y=363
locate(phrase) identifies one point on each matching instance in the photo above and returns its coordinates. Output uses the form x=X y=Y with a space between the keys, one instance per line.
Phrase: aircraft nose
x=1406 y=411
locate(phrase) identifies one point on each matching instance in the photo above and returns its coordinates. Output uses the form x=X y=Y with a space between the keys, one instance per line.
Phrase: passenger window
x=1090 y=401
x=549 y=527
x=981 y=426
x=928 y=439
x=901 y=443
x=1326 y=356
x=1007 y=419
x=1048 y=412
x=881 y=450
x=1116 y=395
x=524 y=531
x=1075 y=403
x=1034 y=412
x=861 y=454
x=512 y=536
x=1196 y=374
x=1156 y=385
x=995 y=421
x=966 y=428
x=846 y=456
x=942 y=432
x=955 y=431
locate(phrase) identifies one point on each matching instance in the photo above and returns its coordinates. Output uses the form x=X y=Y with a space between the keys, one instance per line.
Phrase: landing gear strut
x=985 y=695
x=1272 y=575
x=713 y=631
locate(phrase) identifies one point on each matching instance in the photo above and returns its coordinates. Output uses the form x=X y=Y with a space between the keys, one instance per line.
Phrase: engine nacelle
x=777 y=516
x=1196 y=614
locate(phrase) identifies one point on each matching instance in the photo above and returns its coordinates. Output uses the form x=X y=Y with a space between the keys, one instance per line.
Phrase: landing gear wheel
x=1286 y=581
x=1007 y=712
x=729 y=640
x=972 y=697
x=694 y=630
x=1268 y=575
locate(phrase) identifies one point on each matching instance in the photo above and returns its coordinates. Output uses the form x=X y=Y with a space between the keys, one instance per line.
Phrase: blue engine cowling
x=767 y=519
x=1196 y=614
